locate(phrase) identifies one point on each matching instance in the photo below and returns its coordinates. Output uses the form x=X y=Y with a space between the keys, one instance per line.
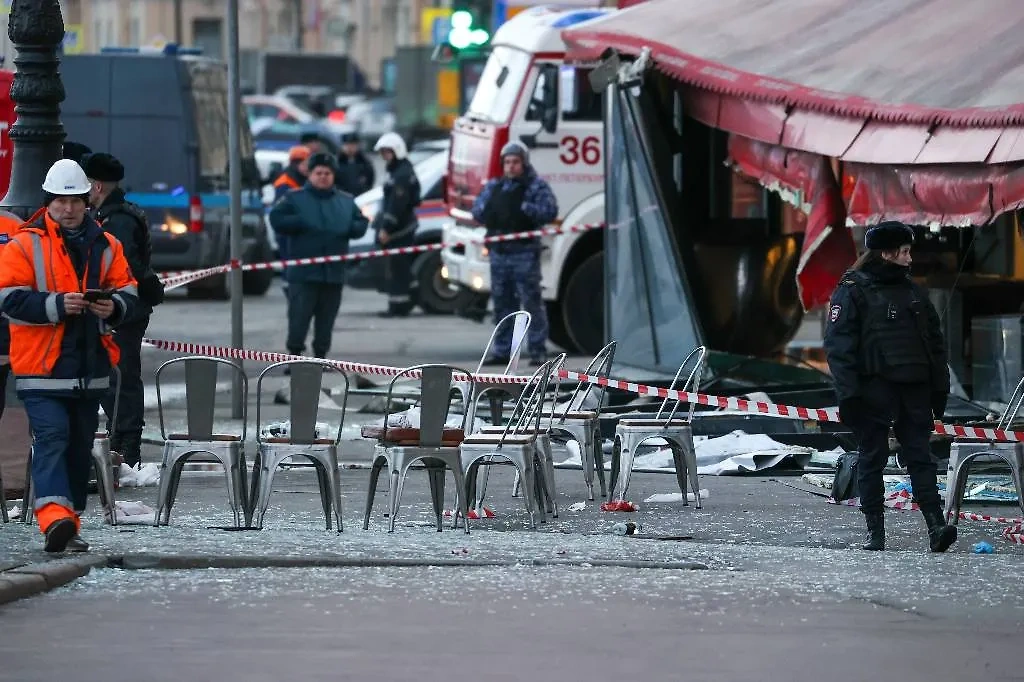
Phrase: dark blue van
x=163 y=113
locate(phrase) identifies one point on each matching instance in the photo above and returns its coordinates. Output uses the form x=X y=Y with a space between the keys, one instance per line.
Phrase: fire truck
x=528 y=93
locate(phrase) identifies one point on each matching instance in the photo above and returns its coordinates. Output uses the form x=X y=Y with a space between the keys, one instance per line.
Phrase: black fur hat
x=888 y=236
x=322 y=159
x=103 y=167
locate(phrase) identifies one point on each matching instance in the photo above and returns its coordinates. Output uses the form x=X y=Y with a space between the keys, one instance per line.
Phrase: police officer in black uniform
x=888 y=359
x=396 y=222
x=355 y=171
x=129 y=224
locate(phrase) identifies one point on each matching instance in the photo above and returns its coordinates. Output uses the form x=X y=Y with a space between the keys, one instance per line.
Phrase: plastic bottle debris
x=627 y=528
x=983 y=548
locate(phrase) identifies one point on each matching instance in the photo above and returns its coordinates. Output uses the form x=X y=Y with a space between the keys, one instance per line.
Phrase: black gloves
x=939 y=404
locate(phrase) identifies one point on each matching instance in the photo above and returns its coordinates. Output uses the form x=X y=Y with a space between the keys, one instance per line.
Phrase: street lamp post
x=36 y=29
x=235 y=186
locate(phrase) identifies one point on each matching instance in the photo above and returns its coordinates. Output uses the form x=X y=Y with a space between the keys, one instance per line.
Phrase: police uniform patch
x=833 y=314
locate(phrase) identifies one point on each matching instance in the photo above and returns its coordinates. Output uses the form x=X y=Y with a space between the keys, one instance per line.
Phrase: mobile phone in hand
x=93 y=295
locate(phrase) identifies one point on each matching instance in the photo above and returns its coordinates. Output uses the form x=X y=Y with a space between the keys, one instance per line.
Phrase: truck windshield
x=499 y=85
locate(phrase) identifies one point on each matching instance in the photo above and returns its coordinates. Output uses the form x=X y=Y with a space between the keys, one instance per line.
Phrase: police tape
x=903 y=501
x=173 y=280
x=722 y=402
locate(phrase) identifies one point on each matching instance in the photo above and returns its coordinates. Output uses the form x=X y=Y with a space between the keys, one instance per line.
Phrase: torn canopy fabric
x=950 y=194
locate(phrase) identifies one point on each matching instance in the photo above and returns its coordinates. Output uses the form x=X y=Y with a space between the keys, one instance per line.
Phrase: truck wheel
x=583 y=305
x=556 y=328
x=435 y=295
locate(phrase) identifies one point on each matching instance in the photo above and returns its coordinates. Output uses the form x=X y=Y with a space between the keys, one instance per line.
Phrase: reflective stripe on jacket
x=50 y=352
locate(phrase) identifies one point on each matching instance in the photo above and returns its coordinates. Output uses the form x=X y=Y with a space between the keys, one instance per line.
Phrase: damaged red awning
x=922 y=101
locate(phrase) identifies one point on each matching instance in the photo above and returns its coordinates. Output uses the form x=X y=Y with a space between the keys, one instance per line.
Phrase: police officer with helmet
x=126 y=221
x=396 y=222
x=887 y=356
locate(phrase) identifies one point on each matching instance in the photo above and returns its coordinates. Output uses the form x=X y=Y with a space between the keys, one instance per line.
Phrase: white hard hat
x=394 y=142
x=66 y=178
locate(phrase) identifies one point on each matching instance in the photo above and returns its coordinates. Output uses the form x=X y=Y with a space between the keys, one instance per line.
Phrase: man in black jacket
x=129 y=224
x=355 y=171
x=396 y=222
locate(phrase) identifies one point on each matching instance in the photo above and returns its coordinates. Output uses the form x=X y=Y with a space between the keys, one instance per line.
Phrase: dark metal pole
x=36 y=29
x=179 y=22
x=235 y=184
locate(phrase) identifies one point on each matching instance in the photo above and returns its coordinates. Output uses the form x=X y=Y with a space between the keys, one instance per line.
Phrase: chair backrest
x=305 y=384
x=1013 y=407
x=692 y=383
x=600 y=367
x=436 y=386
x=201 y=394
x=520 y=323
x=529 y=408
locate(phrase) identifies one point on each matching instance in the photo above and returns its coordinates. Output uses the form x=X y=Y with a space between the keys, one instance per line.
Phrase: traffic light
x=470 y=25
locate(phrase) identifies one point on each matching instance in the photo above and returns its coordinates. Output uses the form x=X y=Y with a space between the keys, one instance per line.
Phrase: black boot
x=940 y=534
x=59 y=534
x=77 y=544
x=876 y=531
x=131 y=448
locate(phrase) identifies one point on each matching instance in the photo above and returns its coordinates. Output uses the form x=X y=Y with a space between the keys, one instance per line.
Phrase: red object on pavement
x=618 y=506
x=6 y=121
x=488 y=514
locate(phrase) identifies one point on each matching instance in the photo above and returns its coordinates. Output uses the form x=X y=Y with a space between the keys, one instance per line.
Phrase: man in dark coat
x=318 y=220
x=396 y=222
x=355 y=171
x=126 y=221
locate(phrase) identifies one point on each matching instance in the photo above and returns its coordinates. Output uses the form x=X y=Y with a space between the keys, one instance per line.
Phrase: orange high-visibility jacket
x=49 y=351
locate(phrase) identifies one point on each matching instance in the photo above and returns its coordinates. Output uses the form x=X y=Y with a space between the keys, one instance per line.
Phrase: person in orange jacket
x=9 y=224
x=64 y=285
x=294 y=176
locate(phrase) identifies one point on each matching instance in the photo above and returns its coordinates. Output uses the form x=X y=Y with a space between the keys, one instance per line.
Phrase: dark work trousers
x=316 y=302
x=5 y=371
x=62 y=433
x=398 y=279
x=130 y=407
x=906 y=408
x=515 y=283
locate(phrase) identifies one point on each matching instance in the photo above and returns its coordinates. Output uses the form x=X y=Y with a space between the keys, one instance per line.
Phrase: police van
x=163 y=113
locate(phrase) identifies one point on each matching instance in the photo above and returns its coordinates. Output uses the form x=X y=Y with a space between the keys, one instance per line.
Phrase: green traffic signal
x=462 y=33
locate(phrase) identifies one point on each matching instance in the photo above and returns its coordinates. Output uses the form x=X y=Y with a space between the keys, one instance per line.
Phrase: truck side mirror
x=549 y=119
x=549 y=98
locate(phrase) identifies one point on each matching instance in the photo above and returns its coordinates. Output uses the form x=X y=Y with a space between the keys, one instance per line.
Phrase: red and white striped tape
x=722 y=402
x=173 y=280
x=902 y=500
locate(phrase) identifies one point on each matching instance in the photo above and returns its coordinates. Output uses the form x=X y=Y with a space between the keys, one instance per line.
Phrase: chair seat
x=287 y=441
x=570 y=415
x=654 y=423
x=495 y=439
x=410 y=437
x=217 y=437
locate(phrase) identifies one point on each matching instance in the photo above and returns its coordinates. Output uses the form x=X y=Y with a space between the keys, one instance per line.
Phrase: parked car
x=270 y=107
x=372 y=117
x=434 y=294
x=282 y=135
x=318 y=99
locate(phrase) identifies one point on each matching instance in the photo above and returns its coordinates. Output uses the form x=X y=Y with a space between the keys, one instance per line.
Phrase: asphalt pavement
x=764 y=582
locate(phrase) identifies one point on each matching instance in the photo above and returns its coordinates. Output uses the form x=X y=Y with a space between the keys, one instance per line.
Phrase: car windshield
x=499 y=85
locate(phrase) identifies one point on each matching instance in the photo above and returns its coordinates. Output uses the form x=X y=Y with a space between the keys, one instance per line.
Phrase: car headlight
x=173 y=226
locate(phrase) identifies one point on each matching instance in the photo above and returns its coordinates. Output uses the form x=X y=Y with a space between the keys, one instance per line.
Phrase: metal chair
x=517 y=442
x=964 y=453
x=101 y=461
x=200 y=403
x=631 y=433
x=580 y=419
x=432 y=444
x=545 y=453
x=305 y=383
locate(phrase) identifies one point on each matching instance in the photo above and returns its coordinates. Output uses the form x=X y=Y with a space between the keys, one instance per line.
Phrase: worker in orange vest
x=64 y=285
x=293 y=177
x=9 y=224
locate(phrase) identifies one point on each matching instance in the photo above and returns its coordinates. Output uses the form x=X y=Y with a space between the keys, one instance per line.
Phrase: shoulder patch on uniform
x=834 y=312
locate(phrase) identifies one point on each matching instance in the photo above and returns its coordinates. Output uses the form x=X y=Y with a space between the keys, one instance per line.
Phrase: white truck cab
x=527 y=93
